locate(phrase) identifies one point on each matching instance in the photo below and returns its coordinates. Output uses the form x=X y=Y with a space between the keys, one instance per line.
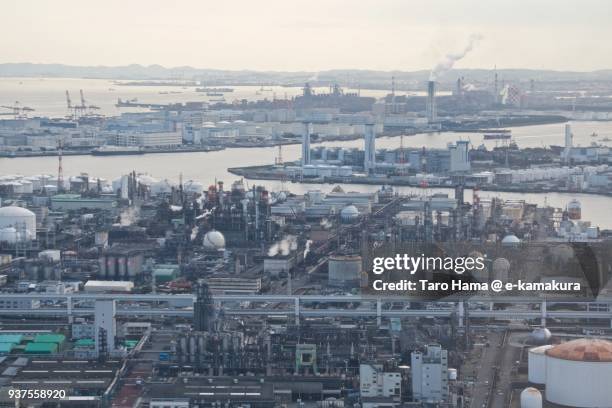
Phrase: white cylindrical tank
x=161 y=187
x=501 y=269
x=194 y=187
x=27 y=186
x=18 y=218
x=536 y=364
x=579 y=373
x=574 y=210
x=531 y=398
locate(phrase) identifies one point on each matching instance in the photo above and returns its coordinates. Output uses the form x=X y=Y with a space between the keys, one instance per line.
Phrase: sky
x=309 y=35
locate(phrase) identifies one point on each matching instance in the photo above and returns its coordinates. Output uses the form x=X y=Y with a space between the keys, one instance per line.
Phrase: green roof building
x=6 y=348
x=11 y=338
x=85 y=343
x=41 y=348
x=165 y=272
x=50 y=338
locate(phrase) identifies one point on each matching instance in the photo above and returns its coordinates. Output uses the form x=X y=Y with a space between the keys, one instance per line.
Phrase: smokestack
x=569 y=137
x=430 y=108
x=306 y=144
x=369 y=160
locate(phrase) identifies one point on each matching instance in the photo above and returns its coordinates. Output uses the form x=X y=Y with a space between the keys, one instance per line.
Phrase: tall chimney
x=369 y=160
x=306 y=144
x=430 y=108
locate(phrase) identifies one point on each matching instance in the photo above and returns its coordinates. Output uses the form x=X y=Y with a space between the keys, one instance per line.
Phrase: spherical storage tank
x=541 y=335
x=531 y=398
x=579 y=373
x=349 y=213
x=536 y=364
x=511 y=240
x=18 y=218
x=214 y=240
x=8 y=234
x=194 y=187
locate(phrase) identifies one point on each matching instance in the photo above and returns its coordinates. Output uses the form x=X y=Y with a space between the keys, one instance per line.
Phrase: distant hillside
x=363 y=78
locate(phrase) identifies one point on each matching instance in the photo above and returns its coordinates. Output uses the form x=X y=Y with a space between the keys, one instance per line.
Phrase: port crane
x=81 y=109
x=18 y=111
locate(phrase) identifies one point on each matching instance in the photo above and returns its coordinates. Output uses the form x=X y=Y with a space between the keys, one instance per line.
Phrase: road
x=484 y=361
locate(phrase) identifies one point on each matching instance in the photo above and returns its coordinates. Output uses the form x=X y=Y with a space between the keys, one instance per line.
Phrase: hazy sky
x=309 y=34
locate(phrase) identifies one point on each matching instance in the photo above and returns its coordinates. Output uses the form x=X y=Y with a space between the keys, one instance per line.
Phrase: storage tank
x=540 y=335
x=102 y=267
x=510 y=240
x=574 y=210
x=501 y=269
x=111 y=267
x=579 y=373
x=19 y=218
x=122 y=267
x=213 y=240
x=8 y=234
x=161 y=187
x=531 y=398
x=349 y=213
x=27 y=186
x=193 y=187
x=536 y=364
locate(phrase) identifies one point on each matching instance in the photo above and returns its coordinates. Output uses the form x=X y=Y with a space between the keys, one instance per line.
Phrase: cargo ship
x=116 y=150
x=222 y=90
x=498 y=135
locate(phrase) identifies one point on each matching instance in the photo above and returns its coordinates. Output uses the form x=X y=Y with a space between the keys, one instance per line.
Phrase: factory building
x=155 y=139
x=228 y=285
x=106 y=326
x=430 y=375
x=74 y=202
x=375 y=382
x=96 y=286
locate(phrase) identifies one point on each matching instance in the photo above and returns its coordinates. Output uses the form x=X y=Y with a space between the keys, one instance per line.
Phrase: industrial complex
x=194 y=238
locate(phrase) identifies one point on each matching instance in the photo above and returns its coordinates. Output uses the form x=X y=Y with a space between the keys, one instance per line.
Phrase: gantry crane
x=18 y=111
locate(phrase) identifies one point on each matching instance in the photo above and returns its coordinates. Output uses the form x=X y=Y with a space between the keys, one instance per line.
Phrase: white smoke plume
x=307 y=248
x=325 y=223
x=194 y=233
x=284 y=246
x=130 y=216
x=449 y=60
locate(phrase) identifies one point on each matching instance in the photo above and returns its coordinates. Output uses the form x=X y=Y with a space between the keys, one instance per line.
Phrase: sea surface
x=212 y=166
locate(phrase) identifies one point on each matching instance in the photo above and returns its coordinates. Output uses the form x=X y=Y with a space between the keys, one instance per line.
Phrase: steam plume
x=284 y=246
x=450 y=59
